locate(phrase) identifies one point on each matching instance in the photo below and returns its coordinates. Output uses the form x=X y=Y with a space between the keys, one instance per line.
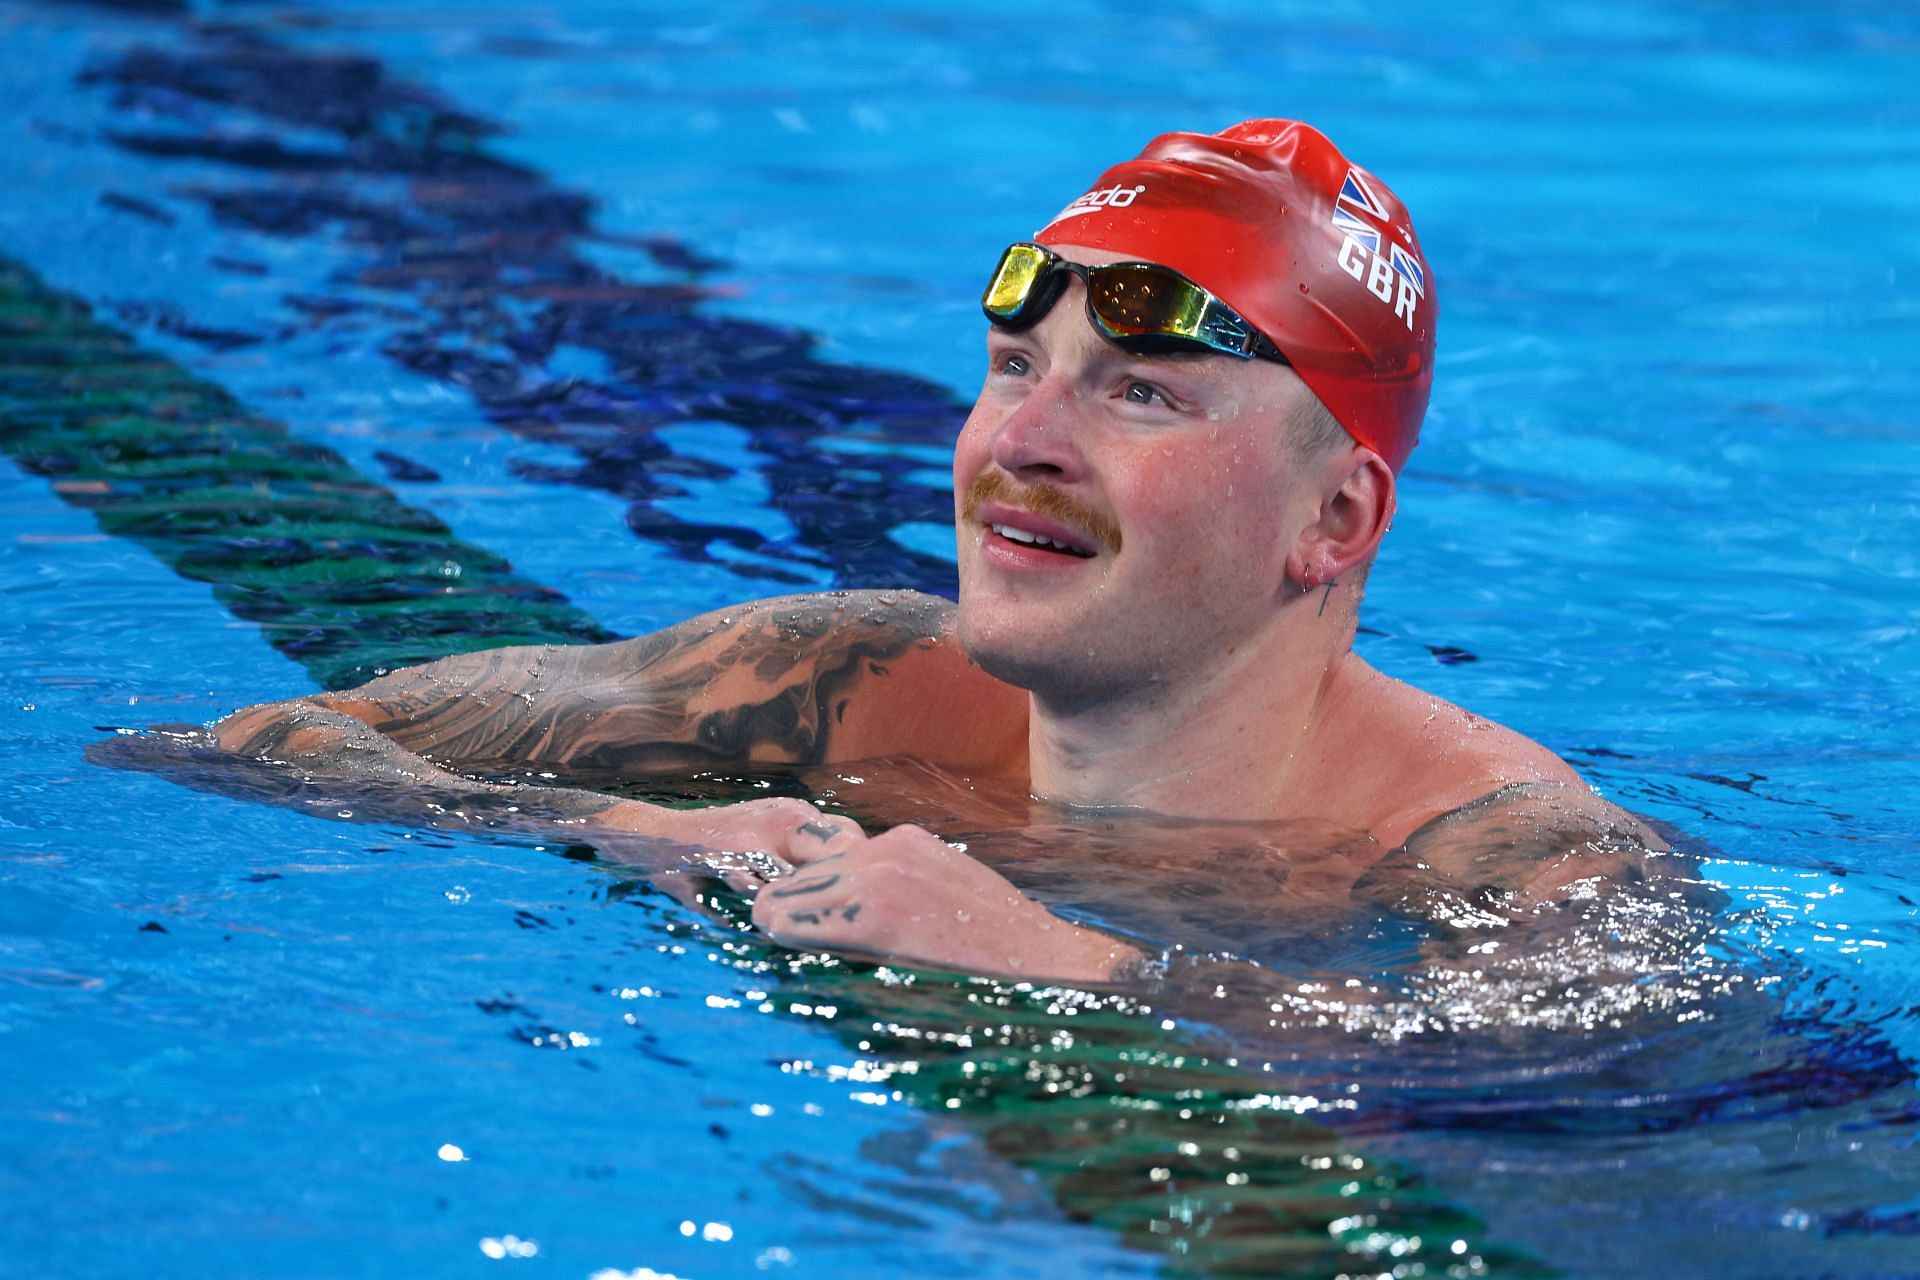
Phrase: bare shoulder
x=1428 y=757
x=1534 y=821
x=795 y=679
x=1464 y=802
x=1516 y=848
x=852 y=675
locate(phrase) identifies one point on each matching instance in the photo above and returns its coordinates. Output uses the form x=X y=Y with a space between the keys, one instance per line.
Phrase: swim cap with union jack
x=1308 y=247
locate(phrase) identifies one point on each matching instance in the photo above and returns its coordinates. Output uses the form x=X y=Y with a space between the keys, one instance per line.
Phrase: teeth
x=1033 y=539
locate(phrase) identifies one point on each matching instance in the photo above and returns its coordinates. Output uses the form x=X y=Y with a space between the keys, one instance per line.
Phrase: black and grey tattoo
x=766 y=682
x=846 y=913
x=802 y=890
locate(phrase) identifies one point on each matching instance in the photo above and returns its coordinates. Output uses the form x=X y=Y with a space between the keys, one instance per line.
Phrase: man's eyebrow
x=1176 y=358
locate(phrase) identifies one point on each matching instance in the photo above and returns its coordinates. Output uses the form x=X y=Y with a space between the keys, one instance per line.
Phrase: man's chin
x=1004 y=664
x=1037 y=659
x=997 y=646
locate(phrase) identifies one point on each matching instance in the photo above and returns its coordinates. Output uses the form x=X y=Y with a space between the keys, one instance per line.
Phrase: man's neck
x=1235 y=742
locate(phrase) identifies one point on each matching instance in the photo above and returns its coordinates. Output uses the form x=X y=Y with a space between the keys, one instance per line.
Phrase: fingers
x=819 y=903
x=822 y=901
x=810 y=908
x=791 y=829
x=823 y=835
x=745 y=871
x=683 y=888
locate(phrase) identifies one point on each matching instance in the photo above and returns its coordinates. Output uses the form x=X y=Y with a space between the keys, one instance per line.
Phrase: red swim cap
x=1308 y=247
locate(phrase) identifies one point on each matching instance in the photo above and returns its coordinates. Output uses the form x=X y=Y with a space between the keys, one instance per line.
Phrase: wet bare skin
x=1245 y=888
x=1238 y=887
x=807 y=681
x=783 y=681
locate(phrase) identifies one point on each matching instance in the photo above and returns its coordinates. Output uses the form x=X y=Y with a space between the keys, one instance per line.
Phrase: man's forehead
x=1087 y=257
x=1074 y=327
x=1215 y=378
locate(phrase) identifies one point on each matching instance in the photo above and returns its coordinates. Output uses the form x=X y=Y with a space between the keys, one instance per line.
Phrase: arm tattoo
x=1506 y=840
x=765 y=682
x=270 y=740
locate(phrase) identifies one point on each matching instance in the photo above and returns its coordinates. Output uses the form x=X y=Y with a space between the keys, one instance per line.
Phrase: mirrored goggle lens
x=1015 y=281
x=1132 y=300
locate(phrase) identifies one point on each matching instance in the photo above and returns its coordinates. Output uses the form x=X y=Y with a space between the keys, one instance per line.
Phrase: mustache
x=1041 y=500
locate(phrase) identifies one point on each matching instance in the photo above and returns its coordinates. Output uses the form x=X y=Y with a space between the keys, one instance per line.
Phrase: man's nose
x=1039 y=438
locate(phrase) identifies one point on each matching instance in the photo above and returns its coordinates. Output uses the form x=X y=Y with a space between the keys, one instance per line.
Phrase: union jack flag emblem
x=1359 y=214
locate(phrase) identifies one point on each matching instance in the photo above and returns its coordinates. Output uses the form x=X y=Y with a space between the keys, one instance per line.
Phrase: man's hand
x=908 y=895
x=746 y=842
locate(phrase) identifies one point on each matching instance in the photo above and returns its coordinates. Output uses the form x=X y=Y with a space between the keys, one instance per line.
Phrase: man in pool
x=1203 y=376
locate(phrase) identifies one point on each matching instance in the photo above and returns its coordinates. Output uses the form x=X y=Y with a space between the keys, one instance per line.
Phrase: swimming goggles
x=1138 y=306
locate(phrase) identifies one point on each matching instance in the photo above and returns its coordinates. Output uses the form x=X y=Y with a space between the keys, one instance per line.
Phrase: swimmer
x=1203 y=378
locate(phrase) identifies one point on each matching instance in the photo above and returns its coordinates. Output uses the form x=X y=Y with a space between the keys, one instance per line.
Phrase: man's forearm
x=330 y=746
x=313 y=757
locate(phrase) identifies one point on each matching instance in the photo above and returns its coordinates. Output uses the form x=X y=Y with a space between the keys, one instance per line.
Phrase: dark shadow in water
x=479 y=260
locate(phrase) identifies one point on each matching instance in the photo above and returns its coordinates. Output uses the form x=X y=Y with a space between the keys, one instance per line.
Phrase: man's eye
x=1012 y=365
x=1144 y=393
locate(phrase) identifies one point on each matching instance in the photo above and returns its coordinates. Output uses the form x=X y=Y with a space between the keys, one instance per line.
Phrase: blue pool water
x=1666 y=504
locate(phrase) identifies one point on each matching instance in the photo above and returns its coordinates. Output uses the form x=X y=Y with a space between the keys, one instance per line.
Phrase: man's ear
x=1356 y=504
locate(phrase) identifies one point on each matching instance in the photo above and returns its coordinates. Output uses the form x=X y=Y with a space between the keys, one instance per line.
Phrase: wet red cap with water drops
x=1307 y=246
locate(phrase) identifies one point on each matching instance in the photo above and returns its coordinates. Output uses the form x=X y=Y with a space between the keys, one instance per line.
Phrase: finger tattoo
x=797 y=890
x=818 y=830
x=846 y=913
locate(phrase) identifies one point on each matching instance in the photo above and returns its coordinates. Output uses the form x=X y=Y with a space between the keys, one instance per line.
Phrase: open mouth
x=1027 y=538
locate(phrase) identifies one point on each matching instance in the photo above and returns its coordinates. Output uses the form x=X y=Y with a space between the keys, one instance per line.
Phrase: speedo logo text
x=1113 y=197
